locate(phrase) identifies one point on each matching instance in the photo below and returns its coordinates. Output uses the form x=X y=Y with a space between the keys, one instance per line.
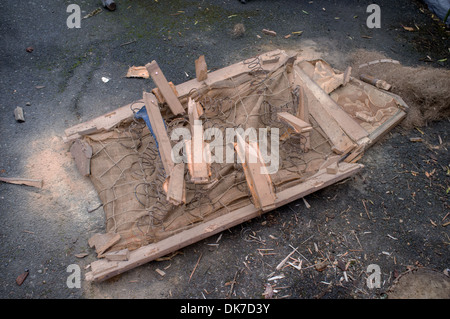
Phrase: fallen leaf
x=29 y=49
x=81 y=255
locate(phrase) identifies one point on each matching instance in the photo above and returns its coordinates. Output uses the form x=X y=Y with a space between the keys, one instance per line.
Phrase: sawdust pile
x=425 y=89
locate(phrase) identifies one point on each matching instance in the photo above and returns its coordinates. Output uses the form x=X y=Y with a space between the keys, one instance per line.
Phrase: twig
x=281 y=264
x=195 y=267
x=367 y=212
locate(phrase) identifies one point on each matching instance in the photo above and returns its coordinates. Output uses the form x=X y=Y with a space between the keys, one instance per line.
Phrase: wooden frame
x=103 y=269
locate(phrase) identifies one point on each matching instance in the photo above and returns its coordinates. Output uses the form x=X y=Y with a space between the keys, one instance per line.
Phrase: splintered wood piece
x=176 y=190
x=201 y=70
x=160 y=97
x=138 y=72
x=82 y=152
x=18 y=114
x=347 y=124
x=381 y=84
x=199 y=169
x=119 y=255
x=22 y=181
x=258 y=179
x=214 y=226
x=159 y=130
x=161 y=82
x=297 y=124
x=269 y=32
x=103 y=122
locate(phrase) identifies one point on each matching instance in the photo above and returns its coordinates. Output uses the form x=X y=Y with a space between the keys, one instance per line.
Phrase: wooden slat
x=206 y=229
x=176 y=191
x=164 y=87
x=258 y=180
x=196 y=147
x=349 y=125
x=159 y=130
x=297 y=124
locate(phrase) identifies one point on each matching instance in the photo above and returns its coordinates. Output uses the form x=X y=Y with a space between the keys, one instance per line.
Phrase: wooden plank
x=160 y=97
x=196 y=147
x=102 y=123
x=201 y=70
x=159 y=130
x=297 y=124
x=176 y=190
x=340 y=141
x=22 y=181
x=161 y=82
x=348 y=125
x=204 y=230
x=258 y=180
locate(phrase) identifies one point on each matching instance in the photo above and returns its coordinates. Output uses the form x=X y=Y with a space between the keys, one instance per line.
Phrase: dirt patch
x=424 y=89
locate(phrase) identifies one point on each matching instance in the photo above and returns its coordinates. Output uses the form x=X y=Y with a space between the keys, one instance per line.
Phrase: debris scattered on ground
x=22 y=181
x=29 y=49
x=318 y=111
x=18 y=114
x=21 y=278
x=138 y=72
x=238 y=30
x=93 y=13
x=269 y=32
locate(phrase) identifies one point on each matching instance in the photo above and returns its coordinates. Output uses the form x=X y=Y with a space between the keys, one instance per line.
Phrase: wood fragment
x=201 y=70
x=297 y=124
x=22 y=181
x=258 y=179
x=160 y=272
x=18 y=114
x=281 y=264
x=82 y=152
x=138 y=72
x=269 y=32
x=161 y=82
x=119 y=255
x=176 y=191
x=381 y=84
x=195 y=267
x=21 y=278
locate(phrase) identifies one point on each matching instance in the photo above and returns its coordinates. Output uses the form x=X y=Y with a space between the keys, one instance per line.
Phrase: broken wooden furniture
x=325 y=120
